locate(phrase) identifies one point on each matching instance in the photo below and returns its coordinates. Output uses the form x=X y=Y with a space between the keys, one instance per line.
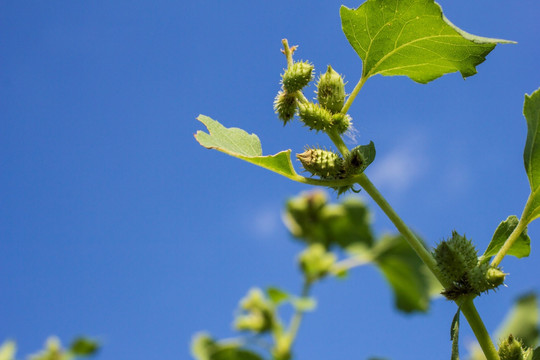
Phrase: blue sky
x=115 y=223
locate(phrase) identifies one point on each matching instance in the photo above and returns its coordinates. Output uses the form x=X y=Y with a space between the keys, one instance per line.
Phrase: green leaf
x=84 y=347
x=405 y=272
x=531 y=154
x=522 y=321
x=536 y=354
x=238 y=143
x=7 y=350
x=411 y=38
x=454 y=335
x=520 y=248
x=203 y=347
x=277 y=296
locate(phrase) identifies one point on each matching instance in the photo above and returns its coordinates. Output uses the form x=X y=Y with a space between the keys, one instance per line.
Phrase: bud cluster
x=324 y=116
x=457 y=259
x=257 y=313
x=316 y=262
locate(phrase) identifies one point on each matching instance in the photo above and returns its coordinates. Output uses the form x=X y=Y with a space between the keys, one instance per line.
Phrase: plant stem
x=288 y=51
x=467 y=308
x=352 y=96
x=413 y=241
x=338 y=141
x=477 y=325
x=298 y=314
x=521 y=226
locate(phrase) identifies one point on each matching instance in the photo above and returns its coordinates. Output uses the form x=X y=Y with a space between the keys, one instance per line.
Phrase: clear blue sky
x=115 y=223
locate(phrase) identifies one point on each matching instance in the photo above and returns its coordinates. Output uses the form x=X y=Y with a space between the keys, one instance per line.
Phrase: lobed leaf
x=276 y=295
x=83 y=346
x=531 y=154
x=411 y=38
x=238 y=143
x=520 y=248
x=405 y=272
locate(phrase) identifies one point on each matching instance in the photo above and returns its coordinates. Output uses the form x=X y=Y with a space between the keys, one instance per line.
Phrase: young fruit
x=314 y=116
x=285 y=106
x=341 y=122
x=331 y=91
x=297 y=76
x=512 y=349
x=323 y=163
x=456 y=257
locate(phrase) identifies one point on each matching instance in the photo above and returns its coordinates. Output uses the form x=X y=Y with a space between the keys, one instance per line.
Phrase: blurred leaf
x=536 y=354
x=531 y=154
x=238 y=143
x=405 y=272
x=304 y=304
x=203 y=347
x=411 y=38
x=522 y=321
x=454 y=335
x=520 y=248
x=7 y=350
x=276 y=295
x=310 y=218
x=84 y=347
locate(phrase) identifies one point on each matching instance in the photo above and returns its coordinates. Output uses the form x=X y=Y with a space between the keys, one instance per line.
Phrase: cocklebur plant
x=409 y=38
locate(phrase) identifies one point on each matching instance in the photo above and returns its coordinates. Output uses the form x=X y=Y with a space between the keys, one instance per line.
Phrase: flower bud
x=316 y=262
x=285 y=106
x=256 y=313
x=455 y=257
x=341 y=122
x=314 y=116
x=297 y=76
x=323 y=163
x=331 y=91
x=484 y=277
x=511 y=349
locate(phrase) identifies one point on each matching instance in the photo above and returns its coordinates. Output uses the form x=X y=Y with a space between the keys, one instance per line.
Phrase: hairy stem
x=477 y=325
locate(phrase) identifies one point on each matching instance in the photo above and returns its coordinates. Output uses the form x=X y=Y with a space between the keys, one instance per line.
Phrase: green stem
x=352 y=96
x=413 y=241
x=298 y=314
x=338 y=141
x=288 y=51
x=467 y=307
x=521 y=226
x=477 y=325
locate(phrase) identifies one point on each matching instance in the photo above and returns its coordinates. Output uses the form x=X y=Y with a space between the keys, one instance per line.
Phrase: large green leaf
x=531 y=154
x=238 y=143
x=411 y=38
x=520 y=248
x=405 y=272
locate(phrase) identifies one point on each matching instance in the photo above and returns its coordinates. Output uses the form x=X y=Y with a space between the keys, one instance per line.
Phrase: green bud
x=314 y=116
x=331 y=91
x=511 y=349
x=256 y=315
x=341 y=122
x=285 y=106
x=323 y=163
x=297 y=76
x=455 y=257
x=483 y=278
x=316 y=262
